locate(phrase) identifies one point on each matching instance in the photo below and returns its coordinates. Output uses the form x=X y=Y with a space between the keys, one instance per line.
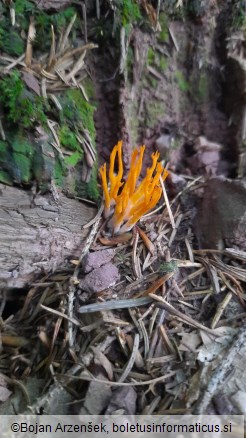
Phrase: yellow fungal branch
x=128 y=202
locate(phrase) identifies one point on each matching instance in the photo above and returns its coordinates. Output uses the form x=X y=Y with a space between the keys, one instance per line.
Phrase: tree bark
x=38 y=235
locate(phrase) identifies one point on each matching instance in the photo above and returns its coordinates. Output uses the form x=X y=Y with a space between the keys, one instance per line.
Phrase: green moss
x=5 y=178
x=16 y=155
x=11 y=88
x=182 y=83
x=68 y=138
x=154 y=111
x=150 y=56
x=90 y=189
x=20 y=105
x=20 y=145
x=59 y=20
x=163 y=36
x=22 y=167
x=2 y=146
x=153 y=82
x=171 y=266
x=76 y=115
x=22 y=155
x=21 y=161
x=78 y=112
x=58 y=174
x=89 y=88
x=73 y=159
x=133 y=120
x=43 y=22
x=203 y=87
x=128 y=12
x=23 y=7
x=163 y=63
x=11 y=42
x=13 y=39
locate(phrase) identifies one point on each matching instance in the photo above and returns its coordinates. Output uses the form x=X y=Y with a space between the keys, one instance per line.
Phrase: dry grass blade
x=52 y=55
x=56 y=101
x=149 y=245
x=83 y=92
x=161 y=360
x=193 y=275
x=135 y=259
x=13 y=341
x=114 y=241
x=15 y=62
x=189 y=249
x=167 y=203
x=131 y=360
x=55 y=335
x=238 y=291
x=63 y=43
x=40 y=301
x=173 y=38
x=96 y=218
x=145 y=337
x=62 y=76
x=56 y=145
x=237 y=254
x=187 y=264
x=79 y=64
x=75 y=52
x=187 y=319
x=238 y=273
x=153 y=320
x=62 y=315
x=166 y=340
x=30 y=39
x=27 y=302
x=174 y=232
x=156 y=285
x=221 y=309
x=114 y=305
x=89 y=378
x=87 y=146
x=44 y=88
x=48 y=75
x=148 y=410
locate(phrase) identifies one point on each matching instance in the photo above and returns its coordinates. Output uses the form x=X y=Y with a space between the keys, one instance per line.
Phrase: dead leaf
x=123 y=398
x=149 y=245
x=150 y=11
x=14 y=341
x=97 y=397
x=101 y=359
x=155 y=286
x=31 y=82
x=123 y=238
x=194 y=388
x=190 y=342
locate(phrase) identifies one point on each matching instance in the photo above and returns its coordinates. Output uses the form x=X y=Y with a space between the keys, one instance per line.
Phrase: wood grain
x=38 y=235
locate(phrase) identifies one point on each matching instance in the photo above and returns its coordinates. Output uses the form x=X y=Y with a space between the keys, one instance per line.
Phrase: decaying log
x=52 y=4
x=37 y=235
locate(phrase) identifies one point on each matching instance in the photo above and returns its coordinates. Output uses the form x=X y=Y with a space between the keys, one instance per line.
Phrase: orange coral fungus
x=128 y=202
